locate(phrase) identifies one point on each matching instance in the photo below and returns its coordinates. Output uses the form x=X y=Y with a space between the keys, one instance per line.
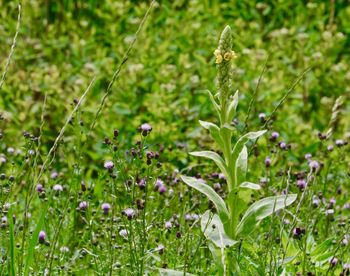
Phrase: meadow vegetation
x=106 y=105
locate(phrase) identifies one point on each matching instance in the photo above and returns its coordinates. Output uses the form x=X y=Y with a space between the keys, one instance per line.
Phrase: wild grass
x=100 y=103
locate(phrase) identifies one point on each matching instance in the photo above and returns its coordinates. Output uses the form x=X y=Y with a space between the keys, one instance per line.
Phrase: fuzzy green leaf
x=171 y=272
x=249 y=185
x=211 y=194
x=214 y=131
x=241 y=165
x=213 y=230
x=243 y=140
x=218 y=259
x=262 y=209
x=213 y=101
x=213 y=156
x=231 y=110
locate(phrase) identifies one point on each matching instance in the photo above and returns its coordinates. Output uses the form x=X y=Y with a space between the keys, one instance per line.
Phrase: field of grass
x=198 y=137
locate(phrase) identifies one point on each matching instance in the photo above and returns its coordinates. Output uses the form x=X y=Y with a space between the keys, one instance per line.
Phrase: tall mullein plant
x=235 y=219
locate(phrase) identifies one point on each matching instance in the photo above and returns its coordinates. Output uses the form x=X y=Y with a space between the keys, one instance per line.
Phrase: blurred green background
x=62 y=44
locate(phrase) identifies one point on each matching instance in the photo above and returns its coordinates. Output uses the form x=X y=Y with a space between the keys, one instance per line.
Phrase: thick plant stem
x=226 y=136
x=224 y=56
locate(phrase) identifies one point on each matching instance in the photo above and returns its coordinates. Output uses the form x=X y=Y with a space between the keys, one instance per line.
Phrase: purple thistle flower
x=109 y=165
x=330 y=148
x=217 y=187
x=145 y=129
x=346 y=206
x=314 y=165
x=57 y=188
x=54 y=175
x=159 y=186
x=129 y=213
x=333 y=261
x=162 y=189
x=159 y=183
x=274 y=136
x=123 y=233
x=83 y=205
x=3 y=159
x=298 y=232
x=39 y=188
x=262 y=117
x=195 y=217
x=339 y=143
x=316 y=201
x=308 y=156
x=168 y=225
x=42 y=236
x=283 y=145
x=160 y=249
x=105 y=207
x=142 y=183
x=301 y=183
x=267 y=162
x=332 y=202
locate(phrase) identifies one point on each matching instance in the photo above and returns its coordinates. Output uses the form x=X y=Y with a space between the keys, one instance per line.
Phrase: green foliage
x=234 y=166
x=62 y=45
x=260 y=210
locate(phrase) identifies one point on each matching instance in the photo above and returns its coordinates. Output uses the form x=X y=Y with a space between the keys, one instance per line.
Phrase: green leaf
x=243 y=140
x=214 y=131
x=243 y=200
x=12 y=268
x=211 y=194
x=250 y=185
x=213 y=156
x=228 y=127
x=34 y=240
x=213 y=101
x=171 y=272
x=217 y=256
x=321 y=252
x=231 y=110
x=262 y=209
x=286 y=260
x=213 y=230
x=289 y=245
x=310 y=243
x=241 y=165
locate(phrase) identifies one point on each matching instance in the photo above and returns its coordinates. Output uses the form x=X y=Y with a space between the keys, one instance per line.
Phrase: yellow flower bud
x=218 y=59
x=217 y=52
x=230 y=55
